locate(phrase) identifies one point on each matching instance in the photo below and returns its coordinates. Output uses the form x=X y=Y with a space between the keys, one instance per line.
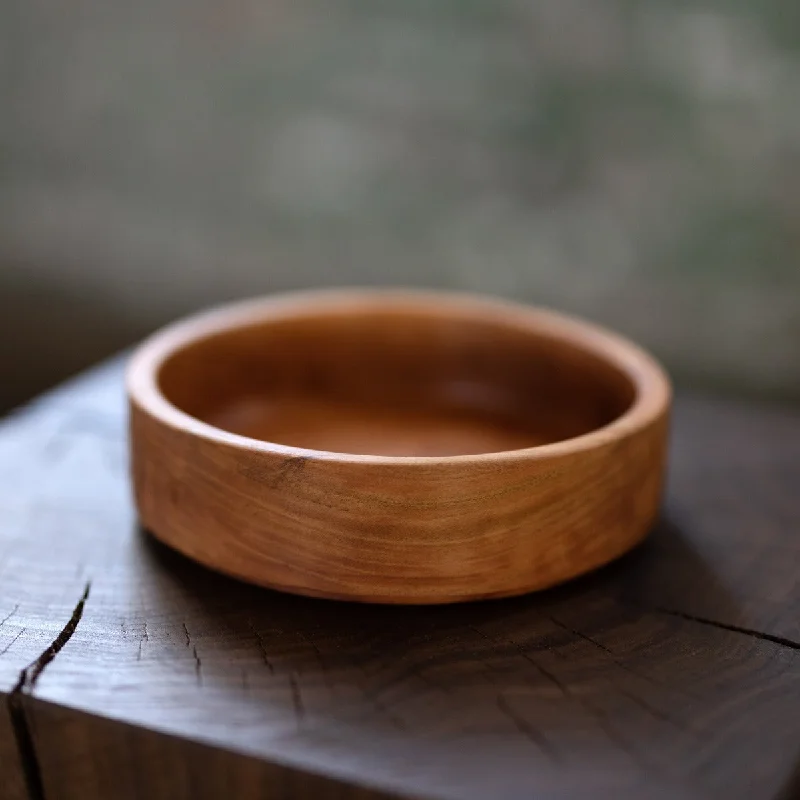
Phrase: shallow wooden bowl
x=396 y=447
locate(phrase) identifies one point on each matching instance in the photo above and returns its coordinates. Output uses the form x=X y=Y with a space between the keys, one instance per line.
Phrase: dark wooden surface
x=673 y=673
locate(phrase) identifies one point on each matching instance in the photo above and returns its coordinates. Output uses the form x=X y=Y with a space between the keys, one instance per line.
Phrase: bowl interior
x=397 y=382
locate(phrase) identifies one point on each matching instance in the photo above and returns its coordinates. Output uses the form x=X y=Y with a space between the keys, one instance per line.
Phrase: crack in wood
x=9 y=615
x=23 y=736
x=579 y=634
x=326 y=676
x=198 y=667
x=593 y=711
x=597 y=714
x=145 y=637
x=30 y=674
x=526 y=729
x=764 y=637
x=12 y=642
x=649 y=707
x=373 y=696
x=413 y=670
x=615 y=660
x=261 y=647
x=198 y=664
x=297 y=700
x=29 y=760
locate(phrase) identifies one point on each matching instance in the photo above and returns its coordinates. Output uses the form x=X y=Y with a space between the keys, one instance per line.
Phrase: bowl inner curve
x=396 y=382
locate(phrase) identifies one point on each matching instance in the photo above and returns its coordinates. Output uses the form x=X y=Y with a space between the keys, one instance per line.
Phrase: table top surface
x=673 y=673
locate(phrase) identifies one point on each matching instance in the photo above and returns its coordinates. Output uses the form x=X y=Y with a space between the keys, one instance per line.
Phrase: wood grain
x=12 y=779
x=69 y=743
x=463 y=448
x=673 y=673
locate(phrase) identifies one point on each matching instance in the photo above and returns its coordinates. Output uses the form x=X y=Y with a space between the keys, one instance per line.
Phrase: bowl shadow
x=596 y=630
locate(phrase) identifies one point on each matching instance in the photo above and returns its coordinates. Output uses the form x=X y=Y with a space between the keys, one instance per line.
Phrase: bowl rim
x=652 y=386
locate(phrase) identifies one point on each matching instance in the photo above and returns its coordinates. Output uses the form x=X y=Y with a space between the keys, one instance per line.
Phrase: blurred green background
x=633 y=161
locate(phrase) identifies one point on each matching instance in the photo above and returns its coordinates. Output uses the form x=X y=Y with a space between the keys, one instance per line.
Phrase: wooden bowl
x=396 y=447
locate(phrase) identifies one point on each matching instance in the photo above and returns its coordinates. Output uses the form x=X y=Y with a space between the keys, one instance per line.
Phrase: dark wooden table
x=129 y=672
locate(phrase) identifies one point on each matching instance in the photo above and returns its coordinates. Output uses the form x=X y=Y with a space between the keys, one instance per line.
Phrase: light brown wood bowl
x=395 y=446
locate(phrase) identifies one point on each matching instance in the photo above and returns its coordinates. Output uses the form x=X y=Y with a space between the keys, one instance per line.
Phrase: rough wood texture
x=12 y=779
x=674 y=673
x=463 y=448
